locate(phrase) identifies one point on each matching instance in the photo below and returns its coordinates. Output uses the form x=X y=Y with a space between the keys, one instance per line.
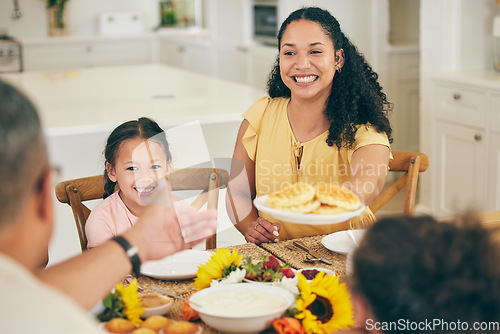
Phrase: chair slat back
x=207 y=180
x=412 y=163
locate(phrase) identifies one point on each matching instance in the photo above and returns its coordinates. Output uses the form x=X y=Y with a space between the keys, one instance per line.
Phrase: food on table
x=153 y=300
x=324 y=199
x=268 y=269
x=337 y=195
x=287 y=272
x=325 y=209
x=180 y=327
x=291 y=195
x=119 y=325
x=188 y=313
x=241 y=303
x=155 y=322
x=309 y=274
x=271 y=263
x=143 y=330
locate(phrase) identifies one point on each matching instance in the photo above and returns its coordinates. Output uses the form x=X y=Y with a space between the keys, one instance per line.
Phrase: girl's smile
x=139 y=164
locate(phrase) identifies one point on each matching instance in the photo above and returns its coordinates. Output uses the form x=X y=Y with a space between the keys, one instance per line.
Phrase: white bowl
x=241 y=307
x=158 y=310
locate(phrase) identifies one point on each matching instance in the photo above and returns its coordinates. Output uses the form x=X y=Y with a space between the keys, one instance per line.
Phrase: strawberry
x=287 y=272
x=252 y=270
x=267 y=275
x=272 y=263
x=252 y=273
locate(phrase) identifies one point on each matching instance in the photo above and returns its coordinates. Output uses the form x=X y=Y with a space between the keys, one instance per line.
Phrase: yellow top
x=271 y=144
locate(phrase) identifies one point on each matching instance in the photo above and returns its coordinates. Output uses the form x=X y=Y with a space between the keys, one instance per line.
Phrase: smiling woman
x=325 y=108
x=137 y=155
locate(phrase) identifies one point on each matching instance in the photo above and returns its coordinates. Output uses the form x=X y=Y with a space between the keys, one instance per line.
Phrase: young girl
x=137 y=155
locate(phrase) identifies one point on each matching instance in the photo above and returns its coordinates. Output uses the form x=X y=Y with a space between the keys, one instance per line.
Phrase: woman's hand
x=262 y=230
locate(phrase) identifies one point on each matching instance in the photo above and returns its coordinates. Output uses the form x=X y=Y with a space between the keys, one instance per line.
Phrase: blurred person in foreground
x=417 y=275
x=54 y=300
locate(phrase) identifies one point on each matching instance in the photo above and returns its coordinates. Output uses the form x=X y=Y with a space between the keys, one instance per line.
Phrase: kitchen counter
x=87 y=99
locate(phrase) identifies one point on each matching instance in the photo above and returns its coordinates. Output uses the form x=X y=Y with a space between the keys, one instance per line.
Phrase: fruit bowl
x=241 y=308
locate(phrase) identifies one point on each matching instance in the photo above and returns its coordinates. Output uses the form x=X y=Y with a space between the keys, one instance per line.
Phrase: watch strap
x=132 y=253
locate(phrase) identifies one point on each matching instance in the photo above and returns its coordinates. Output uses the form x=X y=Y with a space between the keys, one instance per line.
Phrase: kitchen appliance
x=11 y=54
x=265 y=19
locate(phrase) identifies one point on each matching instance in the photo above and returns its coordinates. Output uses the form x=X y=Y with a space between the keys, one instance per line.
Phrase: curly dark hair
x=418 y=269
x=356 y=97
x=144 y=128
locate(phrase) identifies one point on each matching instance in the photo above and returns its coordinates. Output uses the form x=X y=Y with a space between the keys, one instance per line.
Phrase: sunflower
x=132 y=302
x=220 y=265
x=324 y=305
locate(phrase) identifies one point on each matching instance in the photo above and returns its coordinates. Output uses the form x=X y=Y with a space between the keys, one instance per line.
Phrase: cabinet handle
x=89 y=48
x=242 y=49
x=478 y=137
x=181 y=49
x=457 y=96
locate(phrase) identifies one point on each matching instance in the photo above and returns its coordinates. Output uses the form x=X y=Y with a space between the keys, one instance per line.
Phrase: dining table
x=284 y=251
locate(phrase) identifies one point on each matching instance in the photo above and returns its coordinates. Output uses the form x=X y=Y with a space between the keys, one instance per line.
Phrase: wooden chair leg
x=213 y=199
x=411 y=190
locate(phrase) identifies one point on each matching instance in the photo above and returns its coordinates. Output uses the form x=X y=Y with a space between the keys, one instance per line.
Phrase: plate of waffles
x=302 y=203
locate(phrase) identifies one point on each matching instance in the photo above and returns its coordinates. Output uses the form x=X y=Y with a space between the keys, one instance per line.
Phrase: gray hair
x=23 y=152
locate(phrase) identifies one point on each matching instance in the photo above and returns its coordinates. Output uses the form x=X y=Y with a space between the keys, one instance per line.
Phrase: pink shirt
x=109 y=219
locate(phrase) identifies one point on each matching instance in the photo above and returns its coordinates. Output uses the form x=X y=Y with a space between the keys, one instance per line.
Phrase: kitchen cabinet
x=249 y=65
x=261 y=60
x=494 y=173
x=460 y=168
x=466 y=155
x=403 y=91
x=231 y=62
x=73 y=52
x=188 y=55
x=228 y=20
x=240 y=63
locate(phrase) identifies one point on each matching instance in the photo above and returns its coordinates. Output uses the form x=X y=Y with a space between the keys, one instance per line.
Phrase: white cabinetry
x=494 y=173
x=261 y=63
x=466 y=156
x=188 y=55
x=404 y=93
x=461 y=152
x=240 y=63
x=73 y=52
x=231 y=62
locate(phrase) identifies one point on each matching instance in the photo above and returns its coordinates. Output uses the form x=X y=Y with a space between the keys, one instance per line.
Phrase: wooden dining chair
x=411 y=163
x=208 y=180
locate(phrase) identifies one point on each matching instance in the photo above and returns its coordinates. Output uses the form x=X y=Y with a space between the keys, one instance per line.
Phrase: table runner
x=284 y=251
x=185 y=288
x=287 y=252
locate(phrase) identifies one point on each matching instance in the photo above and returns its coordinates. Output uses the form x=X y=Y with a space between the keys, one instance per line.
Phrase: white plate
x=305 y=218
x=340 y=242
x=181 y=265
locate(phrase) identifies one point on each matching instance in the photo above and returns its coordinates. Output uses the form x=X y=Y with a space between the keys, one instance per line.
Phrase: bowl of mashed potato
x=241 y=307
